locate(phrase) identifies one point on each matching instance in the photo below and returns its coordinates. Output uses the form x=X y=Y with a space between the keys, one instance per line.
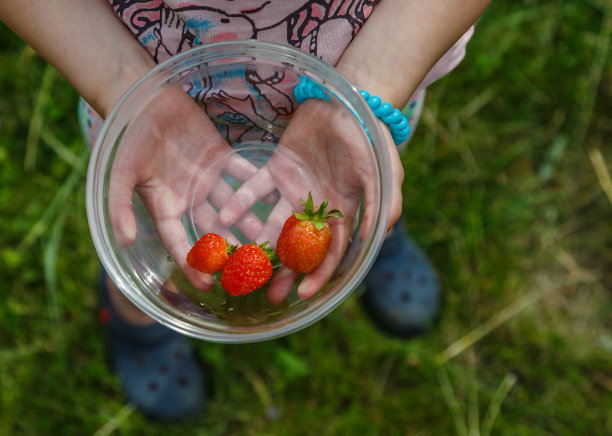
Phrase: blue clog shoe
x=158 y=369
x=402 y=291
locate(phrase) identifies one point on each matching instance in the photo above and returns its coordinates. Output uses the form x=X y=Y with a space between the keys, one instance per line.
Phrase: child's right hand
x=162 y=157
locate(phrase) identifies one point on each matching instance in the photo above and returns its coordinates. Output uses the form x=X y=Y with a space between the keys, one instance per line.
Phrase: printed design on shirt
x=315 y=26
x=242 y=101
x=320 y=24
x=159 y=28
x=252 y=97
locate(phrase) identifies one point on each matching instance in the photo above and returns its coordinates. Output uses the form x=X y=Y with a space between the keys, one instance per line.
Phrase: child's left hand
x=332 y=145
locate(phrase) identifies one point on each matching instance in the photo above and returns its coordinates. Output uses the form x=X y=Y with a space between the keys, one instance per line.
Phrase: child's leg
x=157 y=367
x=402 y=293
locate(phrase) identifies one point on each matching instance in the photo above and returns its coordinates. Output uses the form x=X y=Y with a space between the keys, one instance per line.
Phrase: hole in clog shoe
x=183 y=382
x=178 y=355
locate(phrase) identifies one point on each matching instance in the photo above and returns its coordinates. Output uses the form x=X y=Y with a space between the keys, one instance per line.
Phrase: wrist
x=392 y=117
x=124 y=72
x=384 y=83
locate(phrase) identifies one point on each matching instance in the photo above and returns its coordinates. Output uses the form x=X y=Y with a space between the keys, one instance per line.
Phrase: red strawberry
x=305 y=237
x=248 y=269
x=209 y=254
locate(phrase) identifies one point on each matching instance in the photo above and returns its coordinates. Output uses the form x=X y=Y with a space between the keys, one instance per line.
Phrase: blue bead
x=402 y=124
x=394 y=117
x=383 y=110
x=374 y=102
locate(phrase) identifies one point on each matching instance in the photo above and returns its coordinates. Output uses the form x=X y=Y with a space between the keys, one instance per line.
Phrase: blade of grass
x=553 y=157
x=448 y=134
x=452 y=402
x=36 y=121
x=62 y=150
x=259 y=386
x=477 y=103
x=601 y=171
x=573 y=268
x=496 y=402
x=11 y=354
x=50 y=251
x=25 y=56
x=115 y=422
x=602 y=47
x=497 y=320
x=472 y=398
x=70 y=183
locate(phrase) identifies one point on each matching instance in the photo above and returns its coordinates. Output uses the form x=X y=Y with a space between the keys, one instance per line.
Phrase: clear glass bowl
x=263 y=75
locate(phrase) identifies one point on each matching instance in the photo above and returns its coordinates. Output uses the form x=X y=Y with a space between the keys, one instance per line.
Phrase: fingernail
x=284 y=272
x=125 y=237
x=206 y=282
x=226 y=218
x=301 y=291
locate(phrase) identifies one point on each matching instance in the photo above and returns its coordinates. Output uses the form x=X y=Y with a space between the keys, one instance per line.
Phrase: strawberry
x=305 y=237
x=248 y=269
x=209 y=254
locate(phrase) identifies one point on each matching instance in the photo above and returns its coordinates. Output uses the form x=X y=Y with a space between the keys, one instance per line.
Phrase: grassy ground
x=507 y=188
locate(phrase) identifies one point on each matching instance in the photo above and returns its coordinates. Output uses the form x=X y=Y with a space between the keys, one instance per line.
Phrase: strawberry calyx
x=319 y=216
x=229 y=249
x=269 y=251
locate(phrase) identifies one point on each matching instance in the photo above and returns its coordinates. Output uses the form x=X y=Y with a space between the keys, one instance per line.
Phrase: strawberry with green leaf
x=248 y=269
x=306 y=237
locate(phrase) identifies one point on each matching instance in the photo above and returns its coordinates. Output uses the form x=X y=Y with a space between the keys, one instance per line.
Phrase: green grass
x=507 y=188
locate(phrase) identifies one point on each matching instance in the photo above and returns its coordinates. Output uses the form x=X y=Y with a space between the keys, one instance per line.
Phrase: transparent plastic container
x=260 y=77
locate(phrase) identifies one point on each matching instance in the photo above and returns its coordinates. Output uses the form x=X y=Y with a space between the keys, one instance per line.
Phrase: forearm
x=402 y=40
x=85 y=41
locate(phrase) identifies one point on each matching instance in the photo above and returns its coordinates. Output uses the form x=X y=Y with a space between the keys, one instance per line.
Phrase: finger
x=258 y=186
x=314 y=281
x=274 y=222
x=290 y=173
x=281 y=284
x=248 y=222
x=272 y=197
x=369 y=204
x=211 y=187
x=397 y=176
x=242 y=170
x=239 y=168
x=121 y=213
x=395 y=204
x=370 y=214
x=172 y=234
x=206 y=221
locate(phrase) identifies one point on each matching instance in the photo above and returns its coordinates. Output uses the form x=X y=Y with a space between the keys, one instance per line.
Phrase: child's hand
x=162 y=157
x=331 y=143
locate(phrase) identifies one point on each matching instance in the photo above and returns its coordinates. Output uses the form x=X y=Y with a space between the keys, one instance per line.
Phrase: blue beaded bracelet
x=393 y=118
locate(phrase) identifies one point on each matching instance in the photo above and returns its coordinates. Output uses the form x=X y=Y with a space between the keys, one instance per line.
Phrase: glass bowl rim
x=99 y=222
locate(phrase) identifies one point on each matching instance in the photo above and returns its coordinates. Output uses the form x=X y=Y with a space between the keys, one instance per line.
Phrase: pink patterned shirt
x=323 y=28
